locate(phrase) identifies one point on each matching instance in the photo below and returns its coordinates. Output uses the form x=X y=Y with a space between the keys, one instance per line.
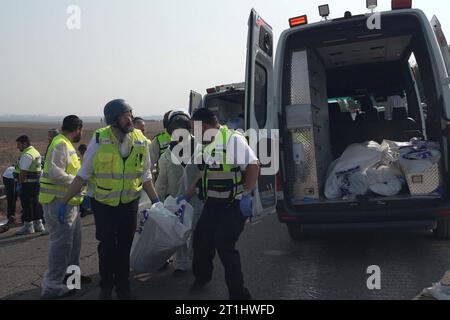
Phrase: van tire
x=442 y=230
x=295 y=231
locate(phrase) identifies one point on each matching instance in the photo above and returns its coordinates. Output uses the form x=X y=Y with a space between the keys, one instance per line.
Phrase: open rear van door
x=195 y=101
x=260 y=114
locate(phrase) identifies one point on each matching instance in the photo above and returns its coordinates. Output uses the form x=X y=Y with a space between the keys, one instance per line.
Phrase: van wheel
x=296 y=231
x=442 y=230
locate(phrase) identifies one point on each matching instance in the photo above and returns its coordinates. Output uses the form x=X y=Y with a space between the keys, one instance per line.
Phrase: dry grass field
x=10 y=131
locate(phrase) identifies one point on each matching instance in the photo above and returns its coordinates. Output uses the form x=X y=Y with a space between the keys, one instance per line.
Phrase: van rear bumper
x=395 y=216
x=407 y=225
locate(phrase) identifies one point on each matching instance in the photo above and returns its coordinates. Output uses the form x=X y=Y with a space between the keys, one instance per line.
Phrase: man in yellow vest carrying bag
x=117 y=161
x=60 y=168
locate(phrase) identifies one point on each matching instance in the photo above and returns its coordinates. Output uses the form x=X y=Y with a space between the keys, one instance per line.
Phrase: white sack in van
x=348 y=178
x=385 y=181
x=391 y=150
x=357 y=184
x=415 y=156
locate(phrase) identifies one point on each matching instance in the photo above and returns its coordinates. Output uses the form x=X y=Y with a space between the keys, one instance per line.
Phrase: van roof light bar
x=298 y=21
x=401 y=4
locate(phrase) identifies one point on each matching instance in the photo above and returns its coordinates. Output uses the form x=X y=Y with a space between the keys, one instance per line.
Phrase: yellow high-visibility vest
x=220 y=180
x=118 y=180
x=164 y=140
x=34 y=172
x=49 y=191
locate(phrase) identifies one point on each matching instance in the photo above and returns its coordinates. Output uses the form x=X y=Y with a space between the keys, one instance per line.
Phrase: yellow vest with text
x=49 y=191
x=118 y=180
x=34 y=172
x=220 y=180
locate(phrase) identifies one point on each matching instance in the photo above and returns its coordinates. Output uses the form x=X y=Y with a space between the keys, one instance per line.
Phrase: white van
x=319 y=64
x=316 y=66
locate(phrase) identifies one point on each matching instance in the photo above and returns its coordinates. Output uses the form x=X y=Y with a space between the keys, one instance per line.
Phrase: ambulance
x=331 y=84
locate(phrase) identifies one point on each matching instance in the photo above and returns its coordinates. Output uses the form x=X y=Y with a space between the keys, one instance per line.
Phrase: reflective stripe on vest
x=118 y=194
x=57 y=193
x=116 y=179
x=49 y=190
x=118 y=176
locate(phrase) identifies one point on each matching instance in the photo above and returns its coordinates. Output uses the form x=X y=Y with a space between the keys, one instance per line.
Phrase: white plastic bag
x=358 y=184
x=184 y=210
x=385 y=180
x=158 y=236
x=391 y=150
x=144 y=202
x=346 y=178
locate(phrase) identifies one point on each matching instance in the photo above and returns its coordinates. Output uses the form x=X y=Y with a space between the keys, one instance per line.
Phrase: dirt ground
x=37 y=132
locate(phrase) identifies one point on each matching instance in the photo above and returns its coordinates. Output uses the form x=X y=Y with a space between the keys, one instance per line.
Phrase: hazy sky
x=150 y=52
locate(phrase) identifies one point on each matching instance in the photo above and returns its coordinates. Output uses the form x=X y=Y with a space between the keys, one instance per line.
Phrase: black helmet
x=166 y=119
x=204 y=115
x=178 y=119
x=115 y=108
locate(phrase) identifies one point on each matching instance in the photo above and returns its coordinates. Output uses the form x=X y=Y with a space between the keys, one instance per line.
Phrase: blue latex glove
x=246 y=205
x=156 y=200
x=181 y=198
x=18 y=188
x=62 y=213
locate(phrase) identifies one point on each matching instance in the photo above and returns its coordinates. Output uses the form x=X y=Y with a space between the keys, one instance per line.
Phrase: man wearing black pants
x=11 y=195
x=27 y=174
x=117 y=165
x=29 y=199
x=230 y=170
x=219 y=227
x=115 y=227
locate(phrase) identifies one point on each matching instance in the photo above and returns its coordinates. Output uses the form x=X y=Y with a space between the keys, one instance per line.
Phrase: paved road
x=324 y=266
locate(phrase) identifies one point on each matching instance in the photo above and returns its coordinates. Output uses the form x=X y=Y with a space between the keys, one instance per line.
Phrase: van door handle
x=381 y=203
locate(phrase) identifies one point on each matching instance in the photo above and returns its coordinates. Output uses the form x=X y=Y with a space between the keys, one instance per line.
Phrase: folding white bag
x=159 y=235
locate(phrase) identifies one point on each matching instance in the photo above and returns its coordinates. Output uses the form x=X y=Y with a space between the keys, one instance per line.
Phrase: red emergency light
x=298 y=21
x=210 y=90
x=401 y=4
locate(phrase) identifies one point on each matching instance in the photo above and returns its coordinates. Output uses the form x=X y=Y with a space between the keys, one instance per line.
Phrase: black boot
x=105 y=293
x=125 y=294
x=243 y=295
